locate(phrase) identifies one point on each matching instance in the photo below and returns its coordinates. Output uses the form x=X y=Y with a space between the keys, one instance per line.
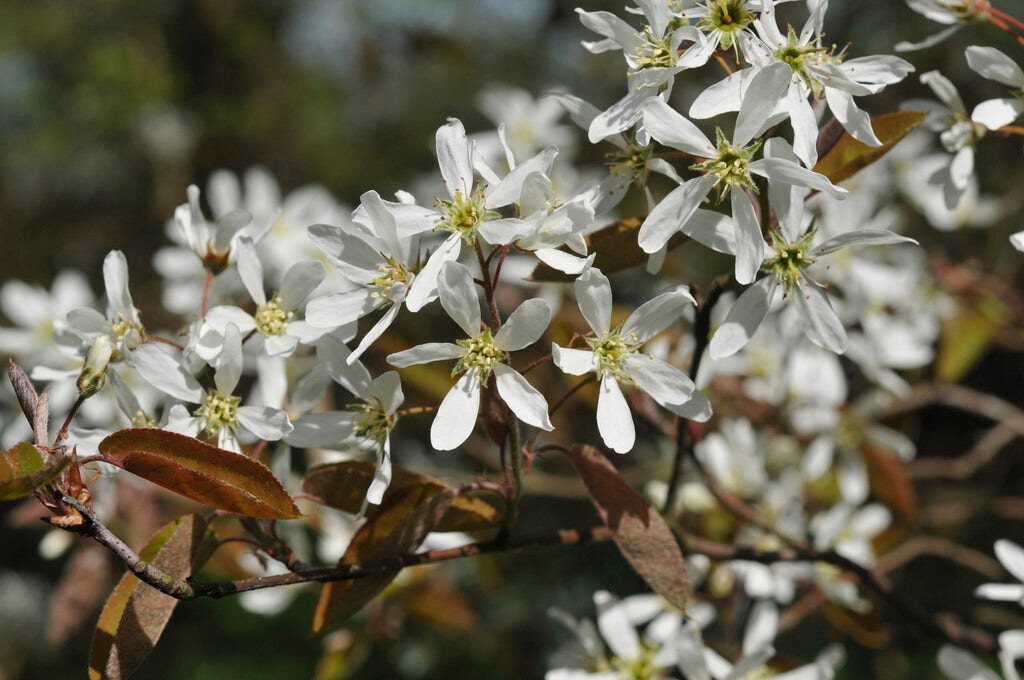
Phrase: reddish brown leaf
x=23 y=470
x=215 y=477
x=891 y=482
x=136 y=614
x=641 y=534
x=848 y=156
x=23 y=390
x=396 y=527
x=82 y=586
x=343 y=486
x=616 y=249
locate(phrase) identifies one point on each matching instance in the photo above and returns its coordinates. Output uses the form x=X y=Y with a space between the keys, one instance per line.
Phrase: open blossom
x=789 y=70
x=792 y=253
x=273 y=322
x=121 y=324
x=614 y=355
x=477 y=357
x=729 y=167
x=955 y=14
x=220 y=413
x=213 y=243
x=367 y=424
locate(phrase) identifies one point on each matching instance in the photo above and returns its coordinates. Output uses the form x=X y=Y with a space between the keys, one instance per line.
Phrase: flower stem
x=485 y=271
x=206 y=292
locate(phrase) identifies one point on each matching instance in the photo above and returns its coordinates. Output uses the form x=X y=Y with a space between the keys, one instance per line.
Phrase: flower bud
x=93 y=375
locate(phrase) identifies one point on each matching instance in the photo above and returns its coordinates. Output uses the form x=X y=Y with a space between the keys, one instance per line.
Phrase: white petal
x=766 y=90
x=229 y=362
x=504 y=231
x=250 y=269
x=524 y=326
x=384 y=223
x=527 y=403
x=299 y=281
x=749 y=241
x=269 y=424
x=744 y=319
x=424 y=286
x=856 y=121
x=861 y=237
x=459 y=297
x=425 y=353
x=673 y=213
x=724 y=96
x=564 y=262
x=1000 y=592
x=1011 y=556
x=351 y=255
x=994 y=65
x=375 y=331
x=381 y=476
x=594 y=297
x=387 y=387
x=805 y=126
x=511 y=186
x=670 y=128
x=819 y=320
x=166 y=372
x=788 y=172
x=995 y=113
x=453 y=157
x=614 y=419
x=573 y=361
x=336 y=309
x=616 y=628
x=621 y=115
x=713 y=229
x=115 y=280
x=327 y=429
x=664 y=382
x=334 y=355
x=457 y=414
x=761 y=627
x=657 y=314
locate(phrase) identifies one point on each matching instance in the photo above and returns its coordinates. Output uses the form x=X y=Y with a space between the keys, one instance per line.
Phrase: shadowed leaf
x=848 y=156
x=23 y=390
x=890 y=482
x=641 y=534
x=343 y=486
x=396 y=527
x=616 y=249
x=966 y=337
x=136 y=614
x=23 y=470
x=215 y=477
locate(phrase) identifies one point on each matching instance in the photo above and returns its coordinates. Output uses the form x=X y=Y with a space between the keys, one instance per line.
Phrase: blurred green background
x=109 y=109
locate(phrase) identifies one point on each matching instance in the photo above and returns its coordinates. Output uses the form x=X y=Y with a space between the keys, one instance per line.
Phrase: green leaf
x=23 y=470
x=343 y=486
x=206 y=474
x=396 y=527
x=848 y=156
x=136 y=614
x=641 y=534
x=966 y=337
x=615 y=247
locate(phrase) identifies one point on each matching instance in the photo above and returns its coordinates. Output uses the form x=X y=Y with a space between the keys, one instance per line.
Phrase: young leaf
x=215 y=477
x=23 y=389
x=616 y=248
x=396 y=527
x=848 y=156
x=343 y=486
x=23 y=470
x=136 y=614
x=641 y=534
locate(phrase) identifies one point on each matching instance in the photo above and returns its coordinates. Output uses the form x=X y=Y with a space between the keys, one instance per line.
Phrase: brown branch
x=965 y=466
x=940 y=547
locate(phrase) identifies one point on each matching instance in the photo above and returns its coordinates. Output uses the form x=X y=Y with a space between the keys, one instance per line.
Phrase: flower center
x=374 y=423
x=726 y=18
x=463 y=213
x=142 y=419
x=790 y=261
x=800 y=56
x=219 y=411
x=730 y=166
x=640 y=668
x=271 y=319
x=481 y=355
x=611 y=349
x=127 y=331
x=632 y=162
x=390 y=274
x=653 y=52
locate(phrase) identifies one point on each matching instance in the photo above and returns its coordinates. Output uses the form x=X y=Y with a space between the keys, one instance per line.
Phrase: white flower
x=273 y=321
x=367 y=424
x=788 y=70
x=960 y=665
x=529 y=124
x=220 y=413
x=471 y=206
x=121 y=325
x=990 y=63
x=212 y=243
x=787 y=271
x=1017 y=240
x=849 y=530
x=39 y=316
x=652 y=58
x=478 y=356
x=729 y=167
x=1011 y=556
x=615 y=357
